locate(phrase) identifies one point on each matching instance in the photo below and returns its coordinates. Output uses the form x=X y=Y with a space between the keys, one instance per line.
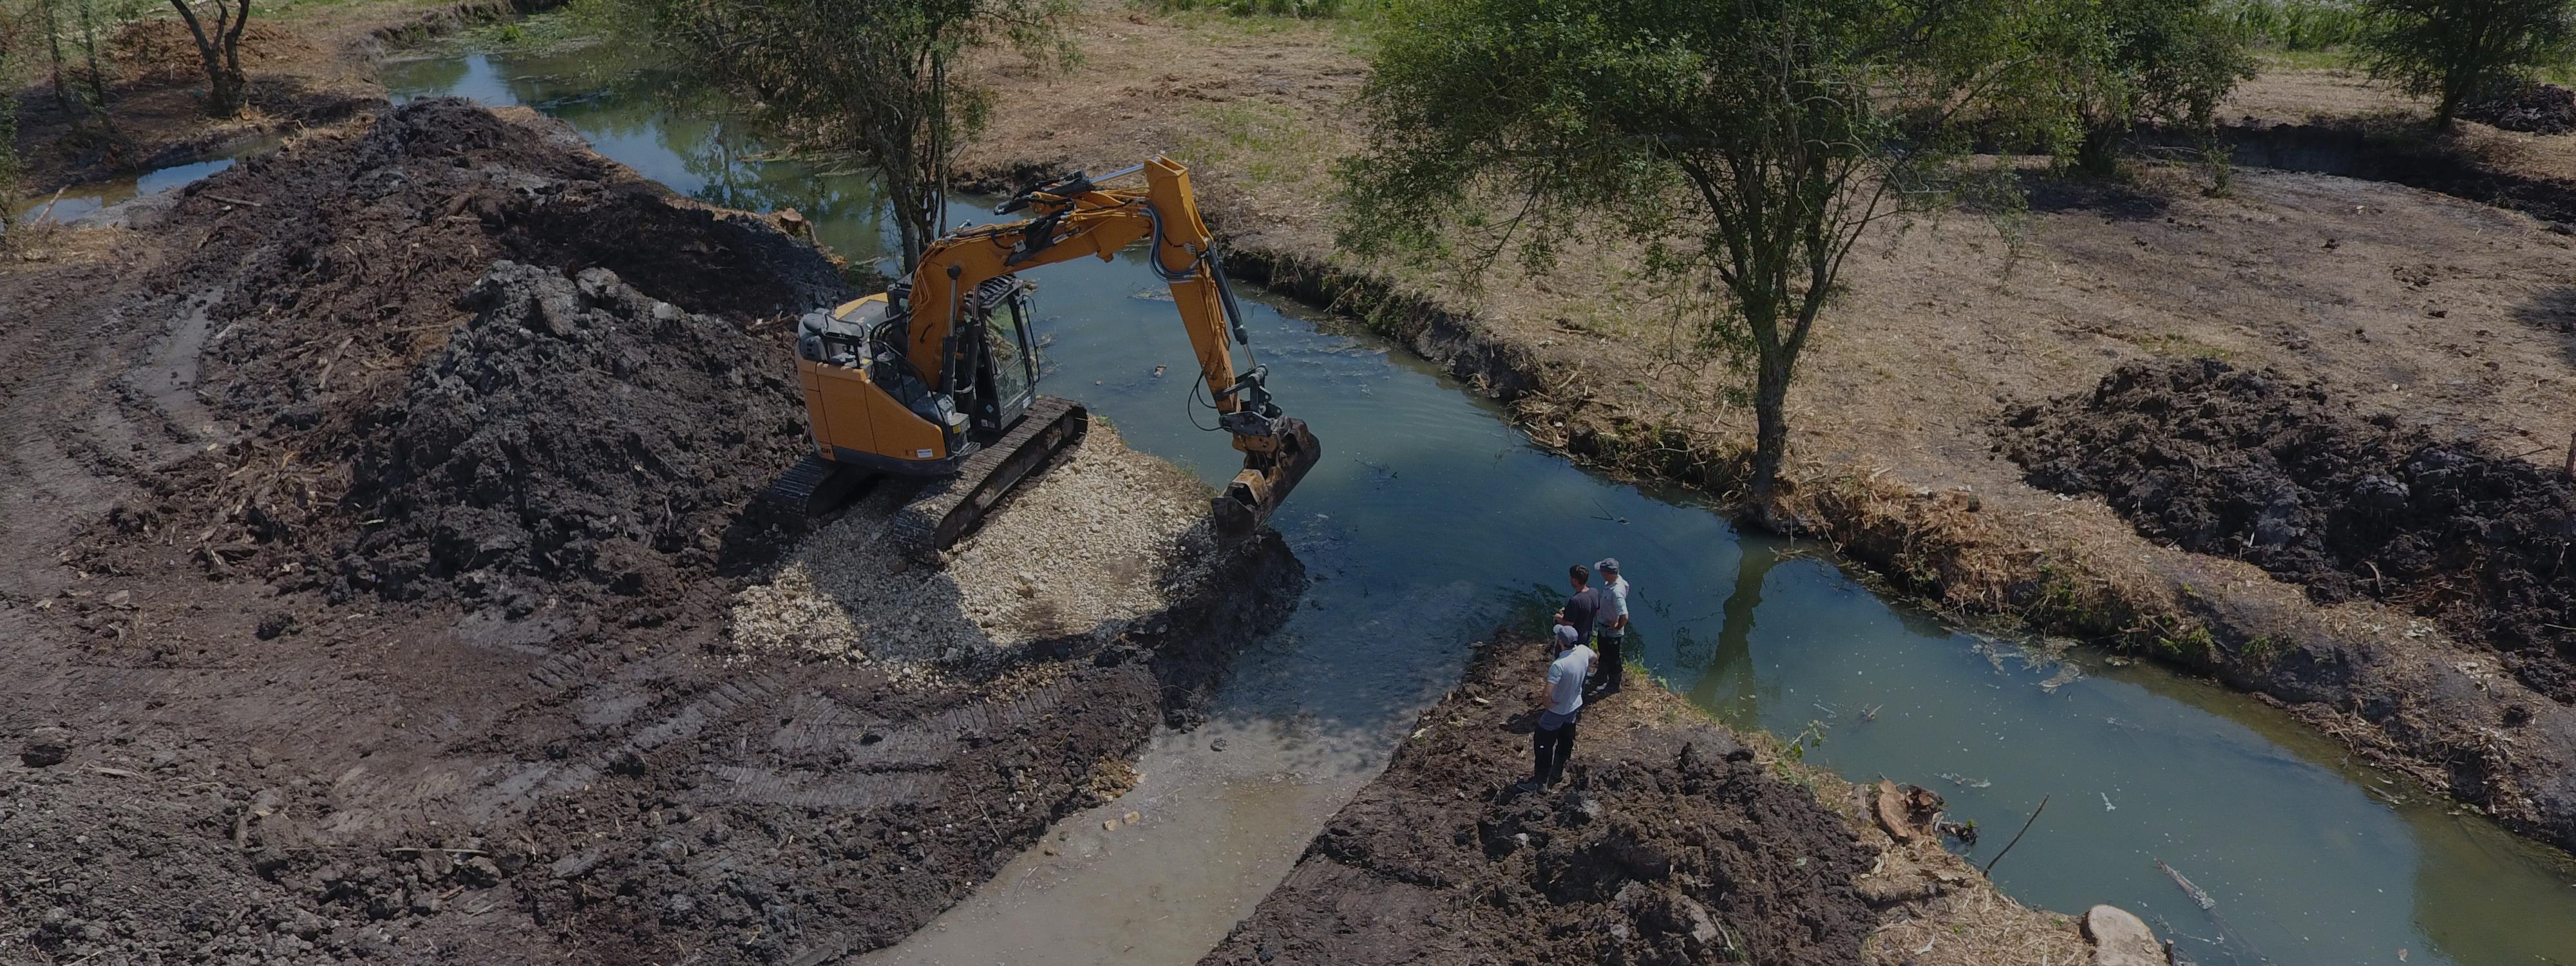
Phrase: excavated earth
x=1668 y=842
x=380 y=586
x=2530 y=106
x=2251 y=465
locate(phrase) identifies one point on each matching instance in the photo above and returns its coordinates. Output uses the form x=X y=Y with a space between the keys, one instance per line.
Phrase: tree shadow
x=2553 y=312
x=2060 y=194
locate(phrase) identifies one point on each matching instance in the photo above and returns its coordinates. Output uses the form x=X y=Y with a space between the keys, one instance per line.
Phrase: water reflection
x=1729 y=685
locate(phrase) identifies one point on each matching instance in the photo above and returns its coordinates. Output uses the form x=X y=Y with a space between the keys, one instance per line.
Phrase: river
x=1431 y=520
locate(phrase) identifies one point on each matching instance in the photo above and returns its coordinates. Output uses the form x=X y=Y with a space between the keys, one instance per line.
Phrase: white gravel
x=1101 y=540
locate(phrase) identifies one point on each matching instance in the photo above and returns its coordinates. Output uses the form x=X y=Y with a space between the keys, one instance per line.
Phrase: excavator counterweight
x=937 y=377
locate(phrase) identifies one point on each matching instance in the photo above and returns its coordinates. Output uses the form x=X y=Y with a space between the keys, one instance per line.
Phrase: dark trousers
x=1607 y=677
x=1549 y=748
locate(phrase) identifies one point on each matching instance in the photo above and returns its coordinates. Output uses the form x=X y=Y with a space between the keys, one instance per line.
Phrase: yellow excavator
x=937 y=377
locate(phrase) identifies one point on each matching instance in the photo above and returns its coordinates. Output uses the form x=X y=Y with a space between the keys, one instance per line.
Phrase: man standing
x=1561 y=705
x=1613 y=623
x=1584 y=606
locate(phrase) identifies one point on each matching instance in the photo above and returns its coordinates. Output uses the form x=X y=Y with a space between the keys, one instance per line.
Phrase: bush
x=2166 y=62
x=2454 y=50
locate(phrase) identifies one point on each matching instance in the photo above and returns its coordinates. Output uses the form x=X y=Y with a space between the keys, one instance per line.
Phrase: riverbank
x=2445 y=314
x=1669 y=841
x=310 y=66
x=384 y=590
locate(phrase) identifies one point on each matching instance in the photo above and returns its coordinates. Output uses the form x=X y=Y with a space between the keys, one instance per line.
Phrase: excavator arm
x=1073 y=217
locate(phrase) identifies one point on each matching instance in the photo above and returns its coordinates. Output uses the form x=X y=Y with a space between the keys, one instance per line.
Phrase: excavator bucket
x=1246 y=503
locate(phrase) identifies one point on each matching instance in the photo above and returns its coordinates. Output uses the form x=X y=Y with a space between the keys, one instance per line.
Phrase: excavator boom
x=936 y=375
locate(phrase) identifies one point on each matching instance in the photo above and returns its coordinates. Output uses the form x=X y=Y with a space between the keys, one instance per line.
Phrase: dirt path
x=2442 y=313
x=379 y=567
x=1668 y=842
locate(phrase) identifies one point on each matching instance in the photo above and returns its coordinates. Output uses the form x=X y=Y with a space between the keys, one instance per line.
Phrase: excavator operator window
x=1007 y=343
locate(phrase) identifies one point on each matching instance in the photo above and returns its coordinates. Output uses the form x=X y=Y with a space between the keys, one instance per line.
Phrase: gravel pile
x=1106 y=538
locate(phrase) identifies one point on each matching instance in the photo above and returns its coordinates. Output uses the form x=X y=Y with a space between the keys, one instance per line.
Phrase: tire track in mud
x=513 y=795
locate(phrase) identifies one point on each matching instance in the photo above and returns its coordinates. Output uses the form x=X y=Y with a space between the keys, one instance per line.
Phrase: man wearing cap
x=1561 y=705
x=1613 y=622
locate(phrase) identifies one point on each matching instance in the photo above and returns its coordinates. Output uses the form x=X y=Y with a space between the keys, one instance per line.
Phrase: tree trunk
x=221 y=53
x=238 y=84
x=1771 y=422
x=89 y=51
x=2099 y=153
x=910 y=233
x=54 y=45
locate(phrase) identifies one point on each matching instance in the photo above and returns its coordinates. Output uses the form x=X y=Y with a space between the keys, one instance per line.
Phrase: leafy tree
x=220 y=50
x=1749 y=144
x=2165 y=62
x=879 y=79
x=2453 y=50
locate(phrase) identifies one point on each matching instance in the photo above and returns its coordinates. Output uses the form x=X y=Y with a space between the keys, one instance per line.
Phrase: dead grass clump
x=1937 y=543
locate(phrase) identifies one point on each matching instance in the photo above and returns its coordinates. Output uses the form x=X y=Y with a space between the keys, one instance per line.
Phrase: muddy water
x=80 y=202
x=1431 y=520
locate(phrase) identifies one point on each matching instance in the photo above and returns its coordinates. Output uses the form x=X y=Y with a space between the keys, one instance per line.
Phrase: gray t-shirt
x=1614 y=605
x=1565 y=679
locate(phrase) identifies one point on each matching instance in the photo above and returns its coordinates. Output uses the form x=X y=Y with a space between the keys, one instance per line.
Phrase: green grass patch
x=1264 y=145
x=2169 y=344
x=2296 y=25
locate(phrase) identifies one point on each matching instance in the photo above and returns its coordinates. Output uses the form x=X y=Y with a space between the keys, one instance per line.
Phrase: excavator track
x=948 y=507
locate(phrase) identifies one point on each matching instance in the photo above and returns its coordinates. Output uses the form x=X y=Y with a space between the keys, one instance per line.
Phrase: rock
x=121 y=600
x=1891 y=812
x=479 y=872
x=2379 y=492
x=576 y=865
x=1701 y=928
x=276 y=624
x=2119 y=939
x=1217 y=745
x=45 y=748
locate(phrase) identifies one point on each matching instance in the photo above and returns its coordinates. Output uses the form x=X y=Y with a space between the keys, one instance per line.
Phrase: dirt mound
x=367 y=426
x=2243 y=464
x=574 y=431
x=161 y=52
x=1662 y=845
x=2526 y=106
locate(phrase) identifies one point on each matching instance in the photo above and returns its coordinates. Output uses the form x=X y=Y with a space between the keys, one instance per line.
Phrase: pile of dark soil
x=572 y=432
x=1663 y=845
x=2243 y=464
x=381 y=430
x=2526 y=106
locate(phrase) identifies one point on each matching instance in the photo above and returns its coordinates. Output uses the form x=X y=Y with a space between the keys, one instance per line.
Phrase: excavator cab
x=937 y=377
x=1006 y=364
